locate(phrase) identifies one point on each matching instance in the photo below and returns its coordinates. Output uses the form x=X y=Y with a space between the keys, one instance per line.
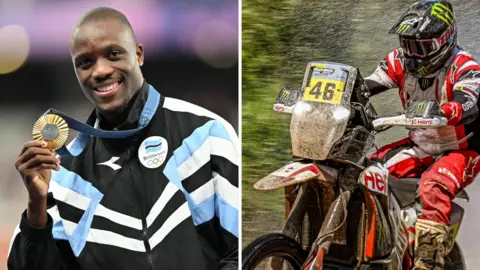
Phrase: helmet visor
x=419 y=48
x=422 y=48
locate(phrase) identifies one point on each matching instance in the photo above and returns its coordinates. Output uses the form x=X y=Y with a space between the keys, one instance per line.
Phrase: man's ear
x=140 y=54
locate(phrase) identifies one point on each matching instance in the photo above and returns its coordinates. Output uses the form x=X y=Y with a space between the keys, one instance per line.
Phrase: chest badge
x=153 y=151
x=425 y=83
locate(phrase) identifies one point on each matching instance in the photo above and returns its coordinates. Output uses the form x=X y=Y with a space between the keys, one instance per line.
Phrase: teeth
x=108 y=87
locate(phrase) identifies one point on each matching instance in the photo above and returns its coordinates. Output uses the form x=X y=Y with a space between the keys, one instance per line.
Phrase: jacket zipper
x=144 y=220
x=147 y=245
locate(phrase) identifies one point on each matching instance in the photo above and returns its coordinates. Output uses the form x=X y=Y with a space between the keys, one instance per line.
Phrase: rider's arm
x=384 y=77
x=463 y=108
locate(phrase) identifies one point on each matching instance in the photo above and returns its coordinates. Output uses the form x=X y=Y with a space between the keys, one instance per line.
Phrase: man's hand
x=35 y=163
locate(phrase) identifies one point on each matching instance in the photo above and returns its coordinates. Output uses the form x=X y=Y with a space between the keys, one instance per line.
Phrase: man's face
x=107 y=63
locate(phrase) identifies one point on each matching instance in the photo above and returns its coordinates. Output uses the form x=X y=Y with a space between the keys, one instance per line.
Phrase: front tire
x=273 y=245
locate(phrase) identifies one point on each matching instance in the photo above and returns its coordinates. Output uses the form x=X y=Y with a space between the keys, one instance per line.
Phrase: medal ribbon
x=87 y=129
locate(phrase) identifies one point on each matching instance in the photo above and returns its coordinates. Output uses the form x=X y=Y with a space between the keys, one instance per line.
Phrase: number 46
x=328 y=91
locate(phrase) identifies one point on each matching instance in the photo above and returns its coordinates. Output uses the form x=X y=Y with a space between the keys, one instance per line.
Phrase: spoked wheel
x=273 y=251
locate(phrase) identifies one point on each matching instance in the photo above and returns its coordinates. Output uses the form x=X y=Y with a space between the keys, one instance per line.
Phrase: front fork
x=295 y=208
x=334 y=220
x=290 y=197
x=296 y=205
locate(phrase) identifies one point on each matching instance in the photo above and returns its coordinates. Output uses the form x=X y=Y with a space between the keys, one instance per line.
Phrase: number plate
x=324 y=90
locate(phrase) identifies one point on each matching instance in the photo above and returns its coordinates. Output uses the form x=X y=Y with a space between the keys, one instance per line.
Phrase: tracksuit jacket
x=163 y=198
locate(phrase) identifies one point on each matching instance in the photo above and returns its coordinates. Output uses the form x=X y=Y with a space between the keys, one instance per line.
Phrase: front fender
x=295 y=173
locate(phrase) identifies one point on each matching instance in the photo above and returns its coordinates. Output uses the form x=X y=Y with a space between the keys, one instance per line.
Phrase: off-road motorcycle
x=344 y=211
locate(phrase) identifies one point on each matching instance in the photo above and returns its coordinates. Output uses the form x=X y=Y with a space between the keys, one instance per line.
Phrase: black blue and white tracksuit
x=165 y=197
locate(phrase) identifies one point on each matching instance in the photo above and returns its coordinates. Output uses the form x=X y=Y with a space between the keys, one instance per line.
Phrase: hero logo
x=374 y=179
x=425 y=122
x=279 y=108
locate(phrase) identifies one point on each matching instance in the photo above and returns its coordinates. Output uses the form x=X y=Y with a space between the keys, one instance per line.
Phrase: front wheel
x=276 y=245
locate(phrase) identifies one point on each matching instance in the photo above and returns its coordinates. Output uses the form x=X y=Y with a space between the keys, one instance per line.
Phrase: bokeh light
x=14 y=48
x=216 y=44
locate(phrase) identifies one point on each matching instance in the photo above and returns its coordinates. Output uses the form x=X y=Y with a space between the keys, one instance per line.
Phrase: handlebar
x=415 y=122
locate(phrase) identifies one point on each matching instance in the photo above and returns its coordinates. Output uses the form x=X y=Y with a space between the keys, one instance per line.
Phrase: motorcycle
x=344 y=211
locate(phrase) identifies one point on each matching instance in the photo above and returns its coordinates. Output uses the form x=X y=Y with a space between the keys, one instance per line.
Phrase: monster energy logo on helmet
x=427 y=36
x=442 y=12
x=417 y=21
x=403 y=28
x=407 y=24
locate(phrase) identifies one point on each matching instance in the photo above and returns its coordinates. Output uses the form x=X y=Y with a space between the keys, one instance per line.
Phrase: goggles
x=422 y=48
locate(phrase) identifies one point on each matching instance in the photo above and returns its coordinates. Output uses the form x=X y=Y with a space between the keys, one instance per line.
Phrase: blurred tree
x=265 y=32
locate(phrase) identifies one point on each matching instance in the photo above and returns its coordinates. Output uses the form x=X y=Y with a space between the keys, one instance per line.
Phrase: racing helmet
x=428 y=34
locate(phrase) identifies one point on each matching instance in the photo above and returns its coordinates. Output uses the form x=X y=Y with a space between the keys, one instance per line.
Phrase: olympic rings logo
x=154 y=161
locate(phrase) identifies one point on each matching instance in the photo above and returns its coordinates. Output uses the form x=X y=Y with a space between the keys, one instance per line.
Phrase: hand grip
x=415 y=122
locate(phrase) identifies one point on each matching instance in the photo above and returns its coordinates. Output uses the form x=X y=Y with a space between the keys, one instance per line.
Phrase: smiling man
x=165 y=197
x=110 y=46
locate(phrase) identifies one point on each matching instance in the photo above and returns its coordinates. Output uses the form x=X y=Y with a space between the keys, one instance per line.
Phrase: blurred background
x=279 y=38
x=191 y=51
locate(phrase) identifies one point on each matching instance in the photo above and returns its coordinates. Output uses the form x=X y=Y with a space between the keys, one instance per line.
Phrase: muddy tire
x=273 y=244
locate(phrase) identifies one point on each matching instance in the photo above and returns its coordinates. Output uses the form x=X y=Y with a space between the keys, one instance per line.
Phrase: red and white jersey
x=456 y=87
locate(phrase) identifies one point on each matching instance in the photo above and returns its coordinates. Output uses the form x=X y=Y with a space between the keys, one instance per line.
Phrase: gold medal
x=52 y=129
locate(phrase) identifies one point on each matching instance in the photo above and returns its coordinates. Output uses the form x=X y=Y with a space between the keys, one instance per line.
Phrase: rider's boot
x=430 y=244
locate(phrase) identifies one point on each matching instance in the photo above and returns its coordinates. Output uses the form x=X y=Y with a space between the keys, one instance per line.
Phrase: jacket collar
x=134 y=109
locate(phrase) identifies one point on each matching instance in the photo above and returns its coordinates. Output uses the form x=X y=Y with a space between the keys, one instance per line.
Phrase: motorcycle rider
x=430 y=66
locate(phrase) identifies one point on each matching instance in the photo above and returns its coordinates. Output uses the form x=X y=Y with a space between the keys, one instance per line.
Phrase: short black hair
x=102 y=13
